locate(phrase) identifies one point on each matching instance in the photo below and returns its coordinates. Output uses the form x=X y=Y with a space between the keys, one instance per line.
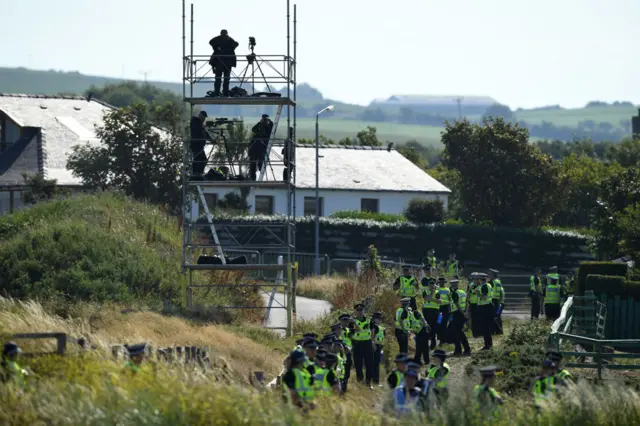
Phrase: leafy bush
x=598 y=268
x=378 y=217
x=424 y=211
x=606 y=284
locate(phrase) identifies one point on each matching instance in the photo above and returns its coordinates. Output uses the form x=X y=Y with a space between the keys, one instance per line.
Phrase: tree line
x=497 y=177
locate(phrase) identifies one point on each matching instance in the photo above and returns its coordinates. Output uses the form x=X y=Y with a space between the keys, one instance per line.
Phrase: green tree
x=630 y=232
x=498 y=110
x=580 y=176
x=451 y=179
x=412 y=154
x=503 y=179
x=130 y=92
x=368 y=137
x=38 y=188
x=627 y=152
x=135 y=155
x=617 y=193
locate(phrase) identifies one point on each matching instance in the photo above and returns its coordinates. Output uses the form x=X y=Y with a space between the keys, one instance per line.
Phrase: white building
x=351 y=178
x=36 y=136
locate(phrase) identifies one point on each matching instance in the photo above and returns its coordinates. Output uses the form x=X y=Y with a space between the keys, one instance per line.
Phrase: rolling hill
x=348 y=119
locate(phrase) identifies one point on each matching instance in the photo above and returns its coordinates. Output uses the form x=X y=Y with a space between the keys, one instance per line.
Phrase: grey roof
x=65 y=121
x=358 y=168
x=440 y=100
x=23 y=156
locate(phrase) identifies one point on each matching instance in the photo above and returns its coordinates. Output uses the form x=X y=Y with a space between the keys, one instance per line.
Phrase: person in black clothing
x=402 y=330
x=535 y=293
x=422 y=332
x=222 y=60
x=330 y=361
x=297 y=360
x=377 y=350
x=259 y=142
x=456 y=326
x=346 y=330
x=486 y=313
x=199 y=138
x=395 y=378
x=310 y=347
x=362 y=347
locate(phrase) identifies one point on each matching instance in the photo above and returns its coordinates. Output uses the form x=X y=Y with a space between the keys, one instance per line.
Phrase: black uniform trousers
x=257 y=152
x=347 y=371
x=442 y=328
x=552 y=310
x=422 y=346
x=487 y=315
x=377 y=360
x=497 y=323
x=457 y=333
x=199 y=157
x=403 y=340
x=363 y=358
x=219 y=72
x=431 y=316
x=475 y=320
x=535 y=306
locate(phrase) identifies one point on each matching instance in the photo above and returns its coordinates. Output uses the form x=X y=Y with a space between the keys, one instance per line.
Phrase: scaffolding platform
x=231 y=167
x=242 y=101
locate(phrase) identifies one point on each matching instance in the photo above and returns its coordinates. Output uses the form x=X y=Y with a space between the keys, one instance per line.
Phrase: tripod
x=216 y=135
x=252 y=62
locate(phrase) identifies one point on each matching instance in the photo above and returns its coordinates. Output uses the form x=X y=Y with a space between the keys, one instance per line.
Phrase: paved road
x=516 y=315
x=307 y=309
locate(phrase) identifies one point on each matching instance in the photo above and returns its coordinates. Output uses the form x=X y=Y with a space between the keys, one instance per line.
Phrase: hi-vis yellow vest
x=407 y=287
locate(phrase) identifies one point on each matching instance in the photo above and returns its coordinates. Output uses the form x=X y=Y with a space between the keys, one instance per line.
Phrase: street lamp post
x=317 y=262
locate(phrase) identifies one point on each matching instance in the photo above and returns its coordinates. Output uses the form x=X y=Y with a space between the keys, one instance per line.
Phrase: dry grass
x=108 y=325
x=322 y=287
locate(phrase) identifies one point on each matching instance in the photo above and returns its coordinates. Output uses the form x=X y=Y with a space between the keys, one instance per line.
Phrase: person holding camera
x=199 y=138
x=259 y=141
x=222 y=60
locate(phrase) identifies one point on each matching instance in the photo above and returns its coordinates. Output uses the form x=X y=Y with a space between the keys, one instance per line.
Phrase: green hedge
x=608 y=284
x=634 y=274
x=476 y=246
x=598 y=268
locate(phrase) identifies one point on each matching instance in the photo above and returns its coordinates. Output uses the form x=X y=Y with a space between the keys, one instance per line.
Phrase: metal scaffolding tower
x=216 y=254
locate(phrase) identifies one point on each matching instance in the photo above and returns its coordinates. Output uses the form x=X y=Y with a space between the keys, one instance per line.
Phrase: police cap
x=406 y=267
x=265 y=115
x=377 y=315
x=554 y=268
x=442 y=279
x=310 y=343
x=321 y=355
x=482 y=275
x=297 y=356
x=359 y=307
x=439 y=353
x=405 y=300
x=414 y=365
x=554 y=356
x=454 y=282
x=402 y=358
x=494 y=271
x=344 y=317
x=411 y=373
x=336 y=326
x=299 y=342
x=137 y=349
x=489 y=371
x=330 y=358
x=11 y=348
x=547 y=363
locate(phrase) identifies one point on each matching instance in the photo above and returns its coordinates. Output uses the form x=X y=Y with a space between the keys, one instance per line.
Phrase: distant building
x=442 y=105
x=36 y=136
x=356 y=178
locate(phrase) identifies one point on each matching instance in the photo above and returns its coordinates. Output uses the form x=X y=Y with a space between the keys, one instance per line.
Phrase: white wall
x=389 y=202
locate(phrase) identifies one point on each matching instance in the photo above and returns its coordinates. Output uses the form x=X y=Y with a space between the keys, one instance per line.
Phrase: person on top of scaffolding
x=259 y=142
x=222 y=60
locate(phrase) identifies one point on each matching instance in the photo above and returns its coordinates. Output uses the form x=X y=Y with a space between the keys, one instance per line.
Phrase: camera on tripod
x=252 y=44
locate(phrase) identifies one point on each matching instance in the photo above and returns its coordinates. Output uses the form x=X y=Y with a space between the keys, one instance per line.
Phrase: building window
x=370 y=205
x=264 y=204
x=212 y=201
x=310 y=206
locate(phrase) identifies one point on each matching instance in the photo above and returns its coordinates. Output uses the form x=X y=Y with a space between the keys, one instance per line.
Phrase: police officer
x=403 y=325
x=198 y=141
x=407 y=286
x=136 y=356
x=438 y=375
x=325 y=379
x=422 y=332
x=544 y=386
x=345 y=335
x=259 y=143
x=379 y=333
x=453 y=267
x=487 y=399
x=552 y=297
x=430 y=262
x=10 y=370
x=563 y=376
x=535 y=293
x=430 y=307
x=472 y=293
x=444 y=301
x=497 y=299
x=406 y=397
x=363 y=343
x=310 y=346
x=486 y=312
x=222 y=60
x=299 y=383
x=456 y=327
x=397 y=376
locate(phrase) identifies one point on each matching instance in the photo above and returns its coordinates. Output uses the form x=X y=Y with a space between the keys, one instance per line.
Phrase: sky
x=523 y=53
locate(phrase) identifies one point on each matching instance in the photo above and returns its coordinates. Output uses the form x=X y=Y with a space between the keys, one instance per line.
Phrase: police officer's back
x=222 y=60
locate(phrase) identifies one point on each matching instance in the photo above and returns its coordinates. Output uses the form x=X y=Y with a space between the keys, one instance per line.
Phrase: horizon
x=529 y=55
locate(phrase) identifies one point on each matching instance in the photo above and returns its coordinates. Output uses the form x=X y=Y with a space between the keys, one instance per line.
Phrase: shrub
x=598 y=268
x=606 y=284
x=378 y=217
x=424 y=211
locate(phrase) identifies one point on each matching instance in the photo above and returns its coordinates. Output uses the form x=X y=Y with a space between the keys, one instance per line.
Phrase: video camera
x=252 y=44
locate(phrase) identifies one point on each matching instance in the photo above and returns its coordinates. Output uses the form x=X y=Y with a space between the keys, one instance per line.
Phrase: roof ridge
x=60 y=97
x=354 y=147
